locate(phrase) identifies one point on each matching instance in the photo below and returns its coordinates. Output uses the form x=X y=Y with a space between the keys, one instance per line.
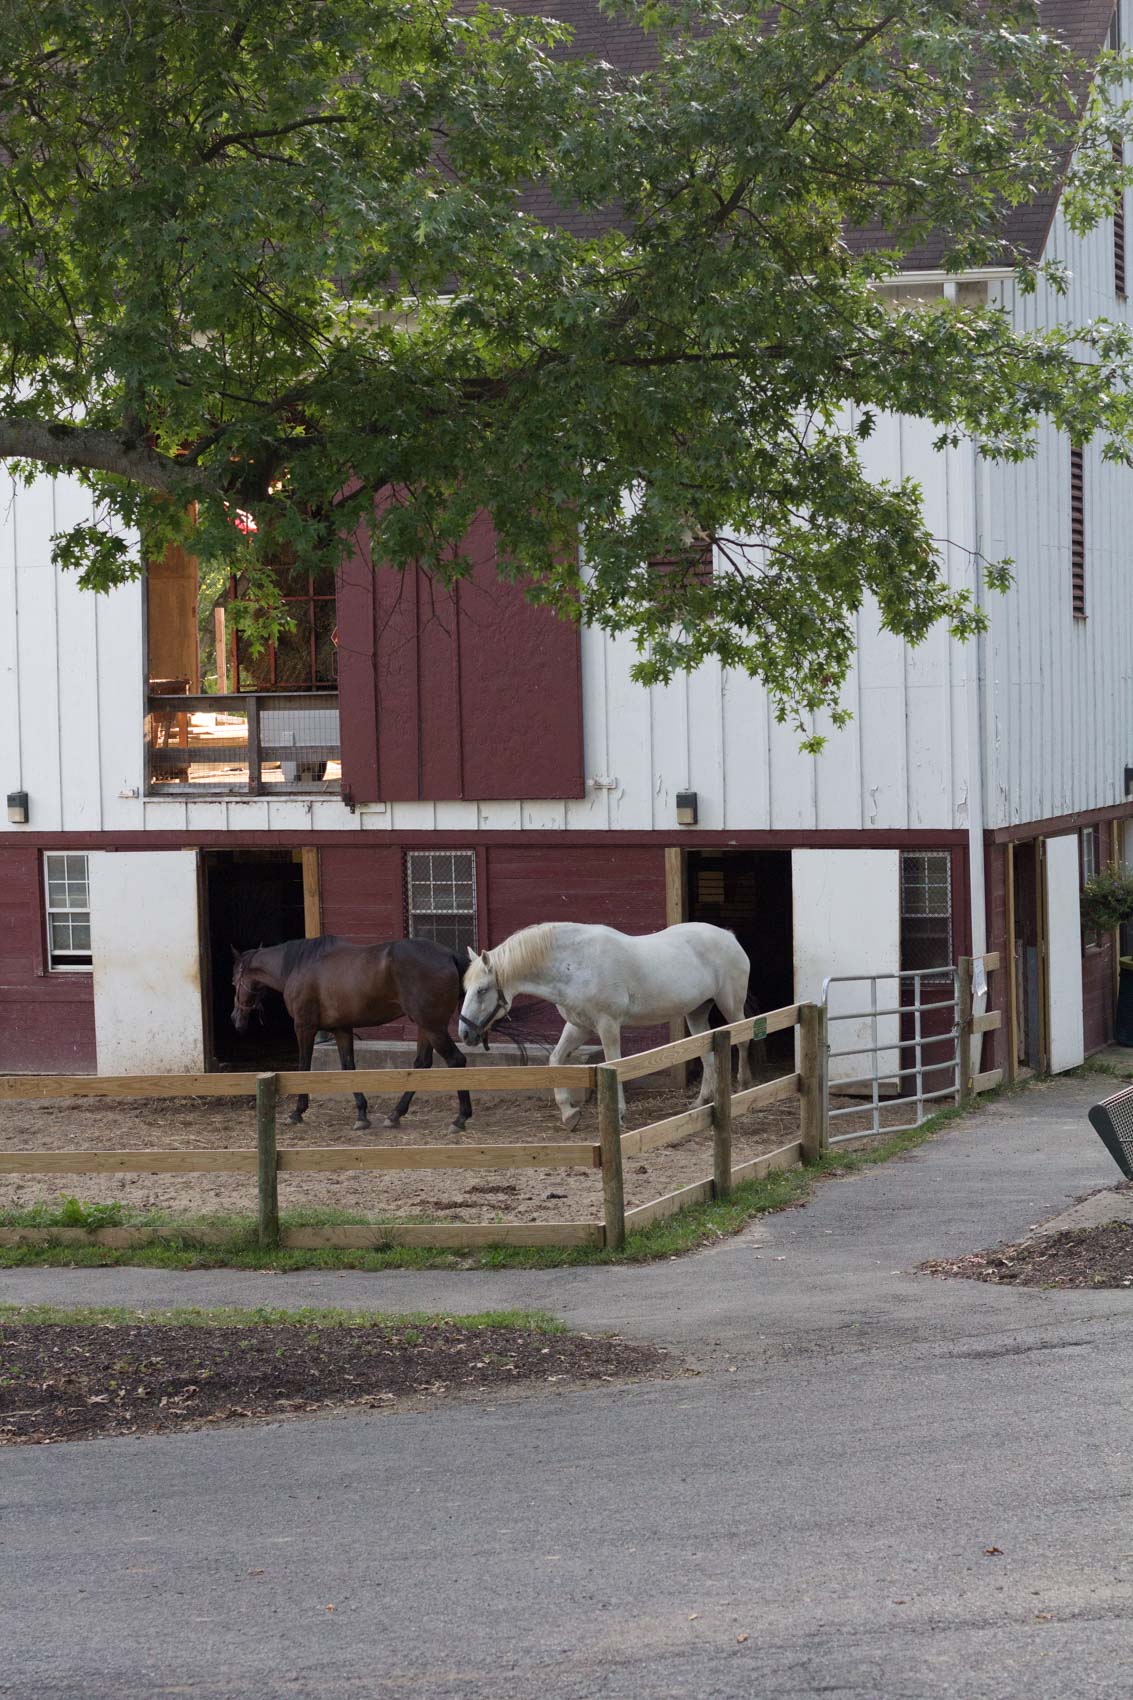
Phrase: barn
x=456 y=765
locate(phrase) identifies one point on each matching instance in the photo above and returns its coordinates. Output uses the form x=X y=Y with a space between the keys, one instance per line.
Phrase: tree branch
x=82 y=448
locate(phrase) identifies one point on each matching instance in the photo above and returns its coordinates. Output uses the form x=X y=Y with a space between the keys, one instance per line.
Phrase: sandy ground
x=468 y=1195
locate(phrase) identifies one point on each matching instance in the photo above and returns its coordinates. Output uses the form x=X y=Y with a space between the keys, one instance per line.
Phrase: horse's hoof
x=456 y=1127
x=296 y=1118
x=390 y=1121
x=571 y=1122
x=361 y=1124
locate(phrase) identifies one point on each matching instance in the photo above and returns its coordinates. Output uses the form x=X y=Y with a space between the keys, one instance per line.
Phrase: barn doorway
x=1025 y=918
x=749 y=891
x=250 y=897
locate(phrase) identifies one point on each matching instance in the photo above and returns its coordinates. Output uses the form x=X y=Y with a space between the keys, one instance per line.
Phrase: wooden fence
x=607 y=1154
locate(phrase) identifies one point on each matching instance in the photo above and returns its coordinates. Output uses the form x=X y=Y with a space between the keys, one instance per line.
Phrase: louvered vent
x=1077 y=532
x=1119 y=224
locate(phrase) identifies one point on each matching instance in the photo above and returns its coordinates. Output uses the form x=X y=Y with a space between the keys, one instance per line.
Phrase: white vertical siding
x=1059 y=689
x=70 y=673
x=72 y=691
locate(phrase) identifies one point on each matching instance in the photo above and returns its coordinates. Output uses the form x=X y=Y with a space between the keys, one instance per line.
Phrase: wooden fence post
x=266 y=1092
x=722 y=1113
x=814 y=1126
x=610 y=1134
x=965 y=1084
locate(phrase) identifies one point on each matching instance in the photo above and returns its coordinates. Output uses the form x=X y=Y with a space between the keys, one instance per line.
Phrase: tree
x=265 y=261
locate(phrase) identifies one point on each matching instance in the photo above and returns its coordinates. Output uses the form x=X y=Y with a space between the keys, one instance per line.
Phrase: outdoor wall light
x=686 y=808
x=1129 y=784
x=18 y=808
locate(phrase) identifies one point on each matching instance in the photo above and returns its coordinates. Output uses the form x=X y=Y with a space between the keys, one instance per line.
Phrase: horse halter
x=480 y=1029
x=247 y=1006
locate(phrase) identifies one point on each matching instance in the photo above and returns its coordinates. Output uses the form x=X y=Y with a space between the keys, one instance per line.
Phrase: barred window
x=926 y=909
x=441 y=897
x=67 y=893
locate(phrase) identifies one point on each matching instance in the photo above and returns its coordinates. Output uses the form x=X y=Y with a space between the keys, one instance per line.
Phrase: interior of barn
x=225 y=712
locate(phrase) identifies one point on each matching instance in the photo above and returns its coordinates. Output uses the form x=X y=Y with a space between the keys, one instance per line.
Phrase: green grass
x=700 y=1225
x=231 y=1316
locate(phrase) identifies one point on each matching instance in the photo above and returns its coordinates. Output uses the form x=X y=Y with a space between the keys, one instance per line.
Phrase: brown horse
x=328 y=983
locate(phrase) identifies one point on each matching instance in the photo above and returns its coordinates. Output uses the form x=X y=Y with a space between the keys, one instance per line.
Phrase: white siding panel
x=592 y=812
x=1061 y=690
x=792 y=778
x=121 y=707
x=1064 y=951
x=707 y=775
x=746 y=751
x=627 y=739
x=145 y=943
x=847 y=921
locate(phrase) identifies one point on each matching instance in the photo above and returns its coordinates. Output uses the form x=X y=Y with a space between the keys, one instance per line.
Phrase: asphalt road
x=876 y=1484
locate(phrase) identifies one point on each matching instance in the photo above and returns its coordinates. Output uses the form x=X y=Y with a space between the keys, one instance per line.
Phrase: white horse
x=601 y=981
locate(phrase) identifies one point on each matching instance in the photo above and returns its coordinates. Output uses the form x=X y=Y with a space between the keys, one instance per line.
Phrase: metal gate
x=916 y=1083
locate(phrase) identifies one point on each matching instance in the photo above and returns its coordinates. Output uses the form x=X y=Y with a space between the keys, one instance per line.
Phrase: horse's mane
x=523 y=951
x=297 y=953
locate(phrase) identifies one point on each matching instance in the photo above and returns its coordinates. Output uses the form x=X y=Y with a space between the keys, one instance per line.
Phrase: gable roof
x=1082 y=24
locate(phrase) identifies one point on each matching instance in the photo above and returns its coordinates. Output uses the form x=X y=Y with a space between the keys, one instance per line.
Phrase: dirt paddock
x=444 y=1195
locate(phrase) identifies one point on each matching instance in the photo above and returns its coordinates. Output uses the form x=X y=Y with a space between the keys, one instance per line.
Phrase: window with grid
x=67 y=898
x=1077 y=531
x=693 y=563
x=441 y=897
x=926 y=909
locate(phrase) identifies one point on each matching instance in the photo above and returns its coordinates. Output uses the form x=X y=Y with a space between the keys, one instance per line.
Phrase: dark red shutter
x=471 y=693
x=357 y=676
x=1077 y=531
x=520 y=687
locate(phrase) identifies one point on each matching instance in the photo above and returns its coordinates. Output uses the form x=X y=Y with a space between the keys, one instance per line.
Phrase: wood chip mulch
x=62 y=1381
x=1077 y=1257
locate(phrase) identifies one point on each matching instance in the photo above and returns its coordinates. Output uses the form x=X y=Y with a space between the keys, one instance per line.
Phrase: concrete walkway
x=880 y=1485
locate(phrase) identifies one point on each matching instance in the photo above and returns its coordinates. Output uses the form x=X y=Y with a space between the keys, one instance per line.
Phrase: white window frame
x=432 y=893
x=1088 y=852
x=66 y=869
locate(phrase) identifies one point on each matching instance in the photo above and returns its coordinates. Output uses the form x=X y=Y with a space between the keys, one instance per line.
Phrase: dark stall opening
x=749 y=891
x=251 y=898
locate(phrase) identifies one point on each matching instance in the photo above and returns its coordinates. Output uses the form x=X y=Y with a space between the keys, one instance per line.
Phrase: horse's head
x=485 y=1001
x=249 y=990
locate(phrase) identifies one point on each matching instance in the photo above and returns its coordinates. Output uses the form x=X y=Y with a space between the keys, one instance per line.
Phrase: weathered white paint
x=846 y=915
x=1064 y=953
x=145 y=944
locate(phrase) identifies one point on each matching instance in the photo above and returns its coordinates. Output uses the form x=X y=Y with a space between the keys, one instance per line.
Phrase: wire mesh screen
x=926 y=909
x=261 y=743
x=1112 y=1121
x=441 y=894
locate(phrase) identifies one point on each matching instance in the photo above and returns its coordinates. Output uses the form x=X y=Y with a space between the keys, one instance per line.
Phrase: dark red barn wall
x=46 y=1020
x=1097 y=994
x=620 y=888
x=995 y=1046
x=363 y=898
x=471 y=692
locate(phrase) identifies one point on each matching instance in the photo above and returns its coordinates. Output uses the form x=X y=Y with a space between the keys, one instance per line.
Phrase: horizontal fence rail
x=808 y=1082
x=606 y=1155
